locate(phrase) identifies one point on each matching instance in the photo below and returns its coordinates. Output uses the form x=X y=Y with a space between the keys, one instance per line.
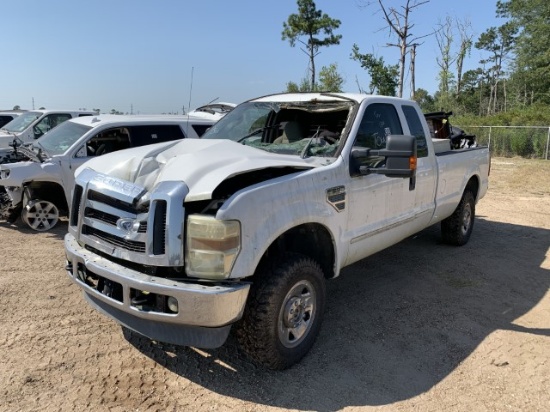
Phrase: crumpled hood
x=201 y=164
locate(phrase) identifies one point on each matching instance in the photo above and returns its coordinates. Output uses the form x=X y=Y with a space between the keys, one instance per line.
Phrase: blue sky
x=142 y=55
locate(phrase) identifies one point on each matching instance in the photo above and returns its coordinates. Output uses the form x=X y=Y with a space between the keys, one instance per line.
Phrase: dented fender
x=268 y=210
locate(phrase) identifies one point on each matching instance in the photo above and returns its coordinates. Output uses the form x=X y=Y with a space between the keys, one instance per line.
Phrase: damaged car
x=39 y=189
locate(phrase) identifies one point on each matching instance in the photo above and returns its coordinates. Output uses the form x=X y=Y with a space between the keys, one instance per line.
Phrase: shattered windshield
x=61 y=138
x=306 y=129
x=20 y=123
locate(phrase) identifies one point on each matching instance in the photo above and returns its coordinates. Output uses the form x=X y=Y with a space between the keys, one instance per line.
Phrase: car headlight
x=4 y=173
x=212 y=246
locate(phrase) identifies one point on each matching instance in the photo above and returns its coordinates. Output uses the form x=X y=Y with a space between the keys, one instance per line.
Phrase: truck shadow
x=57 y=232
x=396 y=323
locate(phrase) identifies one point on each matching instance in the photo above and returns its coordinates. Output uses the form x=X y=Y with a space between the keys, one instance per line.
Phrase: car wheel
x=284 y=311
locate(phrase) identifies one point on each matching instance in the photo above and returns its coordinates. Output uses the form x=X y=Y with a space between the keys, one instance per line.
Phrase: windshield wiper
x=256 y=131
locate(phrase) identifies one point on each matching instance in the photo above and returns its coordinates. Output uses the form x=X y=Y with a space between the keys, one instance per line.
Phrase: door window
x=416 y=129
x=49 y=122
x=142 y=135
x=379 y=121
x=108 y=141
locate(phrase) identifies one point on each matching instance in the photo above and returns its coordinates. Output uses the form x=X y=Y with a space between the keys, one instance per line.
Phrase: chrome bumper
x=205 y=312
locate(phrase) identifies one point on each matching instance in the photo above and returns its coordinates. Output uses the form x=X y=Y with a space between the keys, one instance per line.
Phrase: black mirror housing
x=400 y=155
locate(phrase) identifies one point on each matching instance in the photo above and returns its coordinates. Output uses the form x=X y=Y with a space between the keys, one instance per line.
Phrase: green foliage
x=521 y=143
x=304 y=86
x=384 y=79
x=533 y=44
x=515 y=140
x=424 y=100
x=535 y=115
x=330 y=80
x=310 y=23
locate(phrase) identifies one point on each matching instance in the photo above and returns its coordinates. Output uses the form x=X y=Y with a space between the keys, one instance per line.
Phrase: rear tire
x=457 y=228
x=284 y=311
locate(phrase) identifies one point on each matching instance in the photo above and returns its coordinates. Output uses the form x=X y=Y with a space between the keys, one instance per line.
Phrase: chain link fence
x=507 y=141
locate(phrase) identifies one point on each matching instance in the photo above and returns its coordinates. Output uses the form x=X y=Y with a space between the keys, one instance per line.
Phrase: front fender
x=270 y=209
x=16 y=175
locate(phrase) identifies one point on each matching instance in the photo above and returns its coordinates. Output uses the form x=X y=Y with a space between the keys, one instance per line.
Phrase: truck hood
x=201 y=164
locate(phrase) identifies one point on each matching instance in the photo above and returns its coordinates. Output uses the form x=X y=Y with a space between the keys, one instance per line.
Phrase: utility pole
x=33 y=103
x=412 y=67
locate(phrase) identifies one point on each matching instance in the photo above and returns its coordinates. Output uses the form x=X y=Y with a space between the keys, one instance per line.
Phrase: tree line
x=511 y=83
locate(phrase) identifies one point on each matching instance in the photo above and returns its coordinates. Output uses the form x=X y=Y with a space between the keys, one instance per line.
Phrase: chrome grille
x=138 y=247
x=109 y=218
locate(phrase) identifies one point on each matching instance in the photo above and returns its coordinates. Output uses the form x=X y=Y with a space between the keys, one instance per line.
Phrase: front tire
x=40 y=215
x=457 y=228
x=284 y=311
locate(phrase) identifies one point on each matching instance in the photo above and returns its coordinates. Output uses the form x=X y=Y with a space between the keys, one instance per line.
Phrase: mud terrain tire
x=284 y=311
x=457 y=228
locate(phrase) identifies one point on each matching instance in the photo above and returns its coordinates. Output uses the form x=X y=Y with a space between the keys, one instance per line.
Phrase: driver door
x=381 y=208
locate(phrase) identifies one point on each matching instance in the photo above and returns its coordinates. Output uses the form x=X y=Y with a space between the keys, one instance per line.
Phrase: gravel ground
x=420 y=326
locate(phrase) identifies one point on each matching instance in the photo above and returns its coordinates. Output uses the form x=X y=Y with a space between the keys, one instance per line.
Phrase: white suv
x=40 y=189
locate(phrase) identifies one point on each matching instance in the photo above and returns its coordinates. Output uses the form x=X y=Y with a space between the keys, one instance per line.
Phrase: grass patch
x=520 y=176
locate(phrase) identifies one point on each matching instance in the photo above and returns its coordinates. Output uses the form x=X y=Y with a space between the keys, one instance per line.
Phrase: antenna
x=191 y=88
x=190 y=91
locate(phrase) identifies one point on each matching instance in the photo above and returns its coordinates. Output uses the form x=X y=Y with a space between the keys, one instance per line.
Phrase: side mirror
x=81 y=152
x=399 y=154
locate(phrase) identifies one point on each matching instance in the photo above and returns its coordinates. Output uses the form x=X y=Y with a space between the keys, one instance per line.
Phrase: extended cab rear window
x=415 y=126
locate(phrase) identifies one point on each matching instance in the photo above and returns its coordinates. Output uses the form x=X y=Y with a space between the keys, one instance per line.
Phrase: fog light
x=172 y=304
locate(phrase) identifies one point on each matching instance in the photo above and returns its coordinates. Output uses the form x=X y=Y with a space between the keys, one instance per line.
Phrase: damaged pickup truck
x=243 y=227
x=39 y=189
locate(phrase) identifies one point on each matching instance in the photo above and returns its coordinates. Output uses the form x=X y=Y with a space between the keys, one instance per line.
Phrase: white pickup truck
x=243 y=226
x=39 y=190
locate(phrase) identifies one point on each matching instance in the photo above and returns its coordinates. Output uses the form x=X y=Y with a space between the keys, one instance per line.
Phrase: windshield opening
x=61 y=138
x=20 y=123
x=299 y=128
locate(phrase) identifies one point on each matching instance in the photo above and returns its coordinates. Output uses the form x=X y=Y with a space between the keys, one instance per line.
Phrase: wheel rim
x=297 y=314
x=466 y=219
x=40 y=215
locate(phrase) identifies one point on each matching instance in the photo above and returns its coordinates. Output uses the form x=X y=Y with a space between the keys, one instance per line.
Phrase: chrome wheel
x=40 y=215
x=297 y=314
x=466 y=219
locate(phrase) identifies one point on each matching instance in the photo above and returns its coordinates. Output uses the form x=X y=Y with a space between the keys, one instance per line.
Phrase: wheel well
x=473 y=186
x=310 y=239
x=52 y=192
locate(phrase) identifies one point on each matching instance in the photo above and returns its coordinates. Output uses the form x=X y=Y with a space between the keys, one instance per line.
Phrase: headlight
x=212 y=246
x=4 y=173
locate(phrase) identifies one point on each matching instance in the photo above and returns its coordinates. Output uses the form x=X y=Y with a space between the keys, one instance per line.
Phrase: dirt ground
x=421 y=326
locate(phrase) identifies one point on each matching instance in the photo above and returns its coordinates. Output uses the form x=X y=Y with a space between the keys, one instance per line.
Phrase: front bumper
x=205 y=312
